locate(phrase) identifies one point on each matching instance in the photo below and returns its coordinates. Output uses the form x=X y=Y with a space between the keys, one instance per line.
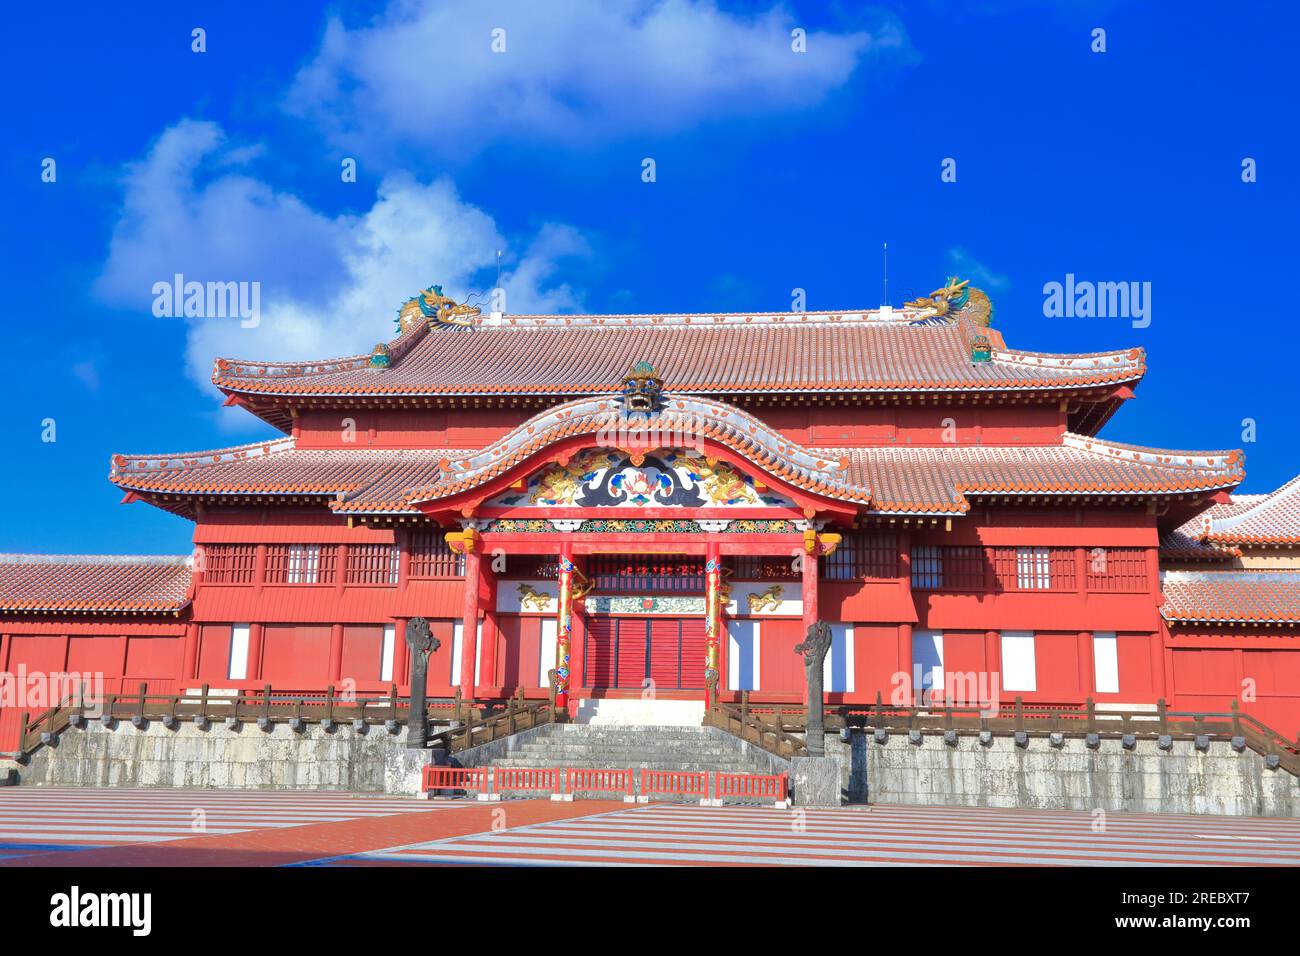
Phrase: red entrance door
x=625 y=652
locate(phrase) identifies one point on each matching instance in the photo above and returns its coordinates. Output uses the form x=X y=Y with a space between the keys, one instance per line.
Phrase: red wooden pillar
x=564 y=626
x=336 y=653
x=403 y=558
x=399 y=651
x=469 y=619
x=905 y=664
x=190 y=660
x=255 y=635
x=259 y=568
x=712 y=620
x=1160 y=659
x=809 y=594
x=491 y=632
x=1087 y=667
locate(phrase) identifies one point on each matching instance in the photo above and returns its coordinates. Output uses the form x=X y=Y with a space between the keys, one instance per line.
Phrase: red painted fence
x=728 y=786
x=599 y=781
x=519 y=779
x=675 y=783
x=753 y=786
x=456 y=778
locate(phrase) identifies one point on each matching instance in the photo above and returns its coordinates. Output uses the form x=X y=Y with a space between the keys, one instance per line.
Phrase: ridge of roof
x=99 y=559
x=1230 y=460
x=121 y=464
x=1113 y=366
x=677 y=415
x=1273 y=518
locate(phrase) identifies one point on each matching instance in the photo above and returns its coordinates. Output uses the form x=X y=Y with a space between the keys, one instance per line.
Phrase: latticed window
x=372 y=564
x=1030 y=568
x=764 y=568
x=534 y=567
x=948 y=568
x=301 y=563
x=927 y=568
x=1117 y=569
x=862 y=557
x=646 y=572
x=431 y=557
x=1033 y=569
x=229 y=563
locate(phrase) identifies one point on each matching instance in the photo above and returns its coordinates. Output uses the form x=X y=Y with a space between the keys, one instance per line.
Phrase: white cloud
x=966 y=266
x=330 y=285
x=87 y=373
x=425 y=73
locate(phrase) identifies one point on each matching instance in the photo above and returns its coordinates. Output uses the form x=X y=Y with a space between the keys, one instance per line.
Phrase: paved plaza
x=112 y=827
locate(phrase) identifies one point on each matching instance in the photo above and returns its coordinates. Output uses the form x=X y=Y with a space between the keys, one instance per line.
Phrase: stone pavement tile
x=282 y=846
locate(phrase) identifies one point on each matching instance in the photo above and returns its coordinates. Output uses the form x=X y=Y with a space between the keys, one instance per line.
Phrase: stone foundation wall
x=1073 y=776
x=239 y=757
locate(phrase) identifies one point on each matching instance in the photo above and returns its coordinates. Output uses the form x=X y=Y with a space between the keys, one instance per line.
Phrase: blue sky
x=774 y=171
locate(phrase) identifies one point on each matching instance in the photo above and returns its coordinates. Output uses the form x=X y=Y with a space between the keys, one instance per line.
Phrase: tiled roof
x=705 y=354
x=1248 y=520
x=276 y=469
x=1231 y=596
x=34 y=583
x=916 y=480
x=1177 y=545
x=942 y=479
x=270 y=468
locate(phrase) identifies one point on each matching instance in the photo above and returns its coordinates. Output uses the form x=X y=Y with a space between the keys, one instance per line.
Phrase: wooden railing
x=766 y=723
x=476 y=729
x=268 y=706
x=769 y=731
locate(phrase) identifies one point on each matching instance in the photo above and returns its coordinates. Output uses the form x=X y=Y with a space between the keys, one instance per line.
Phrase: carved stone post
x=421 y=643
x=813 y=649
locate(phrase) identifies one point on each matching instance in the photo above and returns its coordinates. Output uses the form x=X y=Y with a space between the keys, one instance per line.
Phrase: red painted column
x=255 y=635
x=1087 y=667
x=712 y=620
x=564 y=626
x=1159 y=660
x=259 y=568
x=905 y=665
x=190 y=660
x=336 y=652
x=491 y=633
x=993 y=664
x=469 y=620
x=399 y=651
x=810 y=608
x=809 y=596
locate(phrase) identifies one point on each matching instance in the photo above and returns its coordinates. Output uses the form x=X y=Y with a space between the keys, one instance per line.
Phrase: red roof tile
x=703 y=354
x=88 y=582
x=941 y=479
x=917 y=480
x=1231 y=597
x=270 y=468
x=1248 y=520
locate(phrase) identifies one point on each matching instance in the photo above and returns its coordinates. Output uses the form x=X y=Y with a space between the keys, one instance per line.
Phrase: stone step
x=648 y=739
x=561 y=749
x=646 y=765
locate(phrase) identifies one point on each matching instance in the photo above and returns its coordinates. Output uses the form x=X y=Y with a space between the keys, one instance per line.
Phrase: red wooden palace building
x=656 y=501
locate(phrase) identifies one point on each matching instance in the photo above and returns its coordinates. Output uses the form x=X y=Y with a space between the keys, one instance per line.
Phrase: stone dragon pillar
x=421 y=643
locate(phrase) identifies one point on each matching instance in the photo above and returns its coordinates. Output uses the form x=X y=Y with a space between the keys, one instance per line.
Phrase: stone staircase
x=619 y=747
